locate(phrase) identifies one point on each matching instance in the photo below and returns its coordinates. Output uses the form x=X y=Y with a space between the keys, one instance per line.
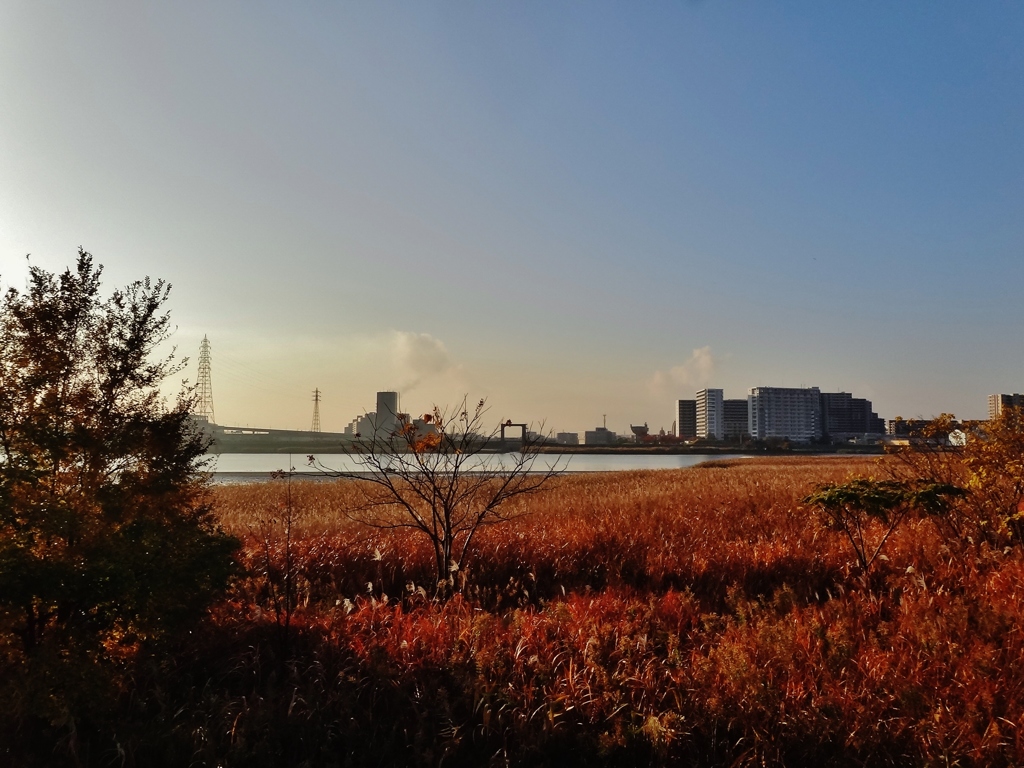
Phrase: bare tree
x=446 y=475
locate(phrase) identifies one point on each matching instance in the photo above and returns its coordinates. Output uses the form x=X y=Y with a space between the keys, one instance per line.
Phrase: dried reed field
x=704 y=616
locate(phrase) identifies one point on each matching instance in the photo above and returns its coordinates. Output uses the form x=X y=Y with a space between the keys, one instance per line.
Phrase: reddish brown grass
x=701 y=615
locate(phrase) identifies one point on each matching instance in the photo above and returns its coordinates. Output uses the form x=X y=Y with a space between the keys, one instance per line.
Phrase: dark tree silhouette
x=107 y=542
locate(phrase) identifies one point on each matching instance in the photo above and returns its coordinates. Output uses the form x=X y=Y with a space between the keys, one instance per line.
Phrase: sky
x=576 y=210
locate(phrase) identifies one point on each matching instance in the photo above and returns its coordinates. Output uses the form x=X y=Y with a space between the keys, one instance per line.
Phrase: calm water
x=234 y=467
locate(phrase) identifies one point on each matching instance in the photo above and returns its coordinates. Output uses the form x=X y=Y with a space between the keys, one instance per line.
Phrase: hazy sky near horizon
x=573 y=209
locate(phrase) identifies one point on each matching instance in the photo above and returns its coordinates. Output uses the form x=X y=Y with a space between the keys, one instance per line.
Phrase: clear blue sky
x=574 y=209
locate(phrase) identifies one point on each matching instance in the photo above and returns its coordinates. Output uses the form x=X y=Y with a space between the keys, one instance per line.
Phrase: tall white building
x=785 y=412
x=711 y=414
x=997 y=403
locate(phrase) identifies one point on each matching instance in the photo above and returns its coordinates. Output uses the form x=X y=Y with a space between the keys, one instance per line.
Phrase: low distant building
x=997 y=403
x=785 y=413
x=640 y=434
x=600 y=436
x=686 y=419
x=362 y=426
x=904 y=431
x=900 y=427
x=414 y=429
x=568 y=438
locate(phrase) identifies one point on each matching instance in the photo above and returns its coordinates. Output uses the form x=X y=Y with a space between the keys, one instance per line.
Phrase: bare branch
x=447 y=476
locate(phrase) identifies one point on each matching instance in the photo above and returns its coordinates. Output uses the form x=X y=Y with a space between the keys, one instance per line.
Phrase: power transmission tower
x=204 y=405
x=316 y=410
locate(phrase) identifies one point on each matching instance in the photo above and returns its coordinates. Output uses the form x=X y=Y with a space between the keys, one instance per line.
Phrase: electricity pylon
x=204 y=403
x=316 y=410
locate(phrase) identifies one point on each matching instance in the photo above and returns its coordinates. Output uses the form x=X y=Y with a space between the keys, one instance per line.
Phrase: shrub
x=107 y=542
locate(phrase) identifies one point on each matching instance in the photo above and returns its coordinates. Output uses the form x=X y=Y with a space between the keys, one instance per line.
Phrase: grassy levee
x=700 y=616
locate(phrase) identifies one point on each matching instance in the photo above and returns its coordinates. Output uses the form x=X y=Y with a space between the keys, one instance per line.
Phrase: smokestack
x=387 y=412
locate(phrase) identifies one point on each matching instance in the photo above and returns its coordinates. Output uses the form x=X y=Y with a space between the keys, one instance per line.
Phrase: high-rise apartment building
x=844 y=416
x=785 y=413
x=737 y=418
x=996 y=404
x=686 y=419
x=711 y=414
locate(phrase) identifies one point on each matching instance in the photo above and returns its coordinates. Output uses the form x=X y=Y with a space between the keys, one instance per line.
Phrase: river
x=253 y=467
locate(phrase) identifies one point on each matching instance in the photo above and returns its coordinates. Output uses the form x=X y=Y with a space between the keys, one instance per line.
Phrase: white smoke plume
x=418 y=357
x=696 y=372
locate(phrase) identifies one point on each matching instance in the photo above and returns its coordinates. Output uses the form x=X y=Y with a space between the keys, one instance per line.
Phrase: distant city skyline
x=571 y=210
x=711 y=417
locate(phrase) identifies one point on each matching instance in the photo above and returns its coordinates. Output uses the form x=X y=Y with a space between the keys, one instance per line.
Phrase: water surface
x=238 y=467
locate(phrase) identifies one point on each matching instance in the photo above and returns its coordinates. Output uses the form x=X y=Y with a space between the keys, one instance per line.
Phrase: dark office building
x=998 y=403
x=686 y=419
x=737 y=419
x=844 y=416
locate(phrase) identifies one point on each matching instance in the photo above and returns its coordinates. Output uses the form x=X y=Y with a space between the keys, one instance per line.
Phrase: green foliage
x=107 y=542
x=867 y=512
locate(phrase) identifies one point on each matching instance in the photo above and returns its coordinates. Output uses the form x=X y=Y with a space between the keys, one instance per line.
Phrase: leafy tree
x=983 y=459
x=867 y=512
x=447 y=476
x=994 y=459
x=107 y=542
